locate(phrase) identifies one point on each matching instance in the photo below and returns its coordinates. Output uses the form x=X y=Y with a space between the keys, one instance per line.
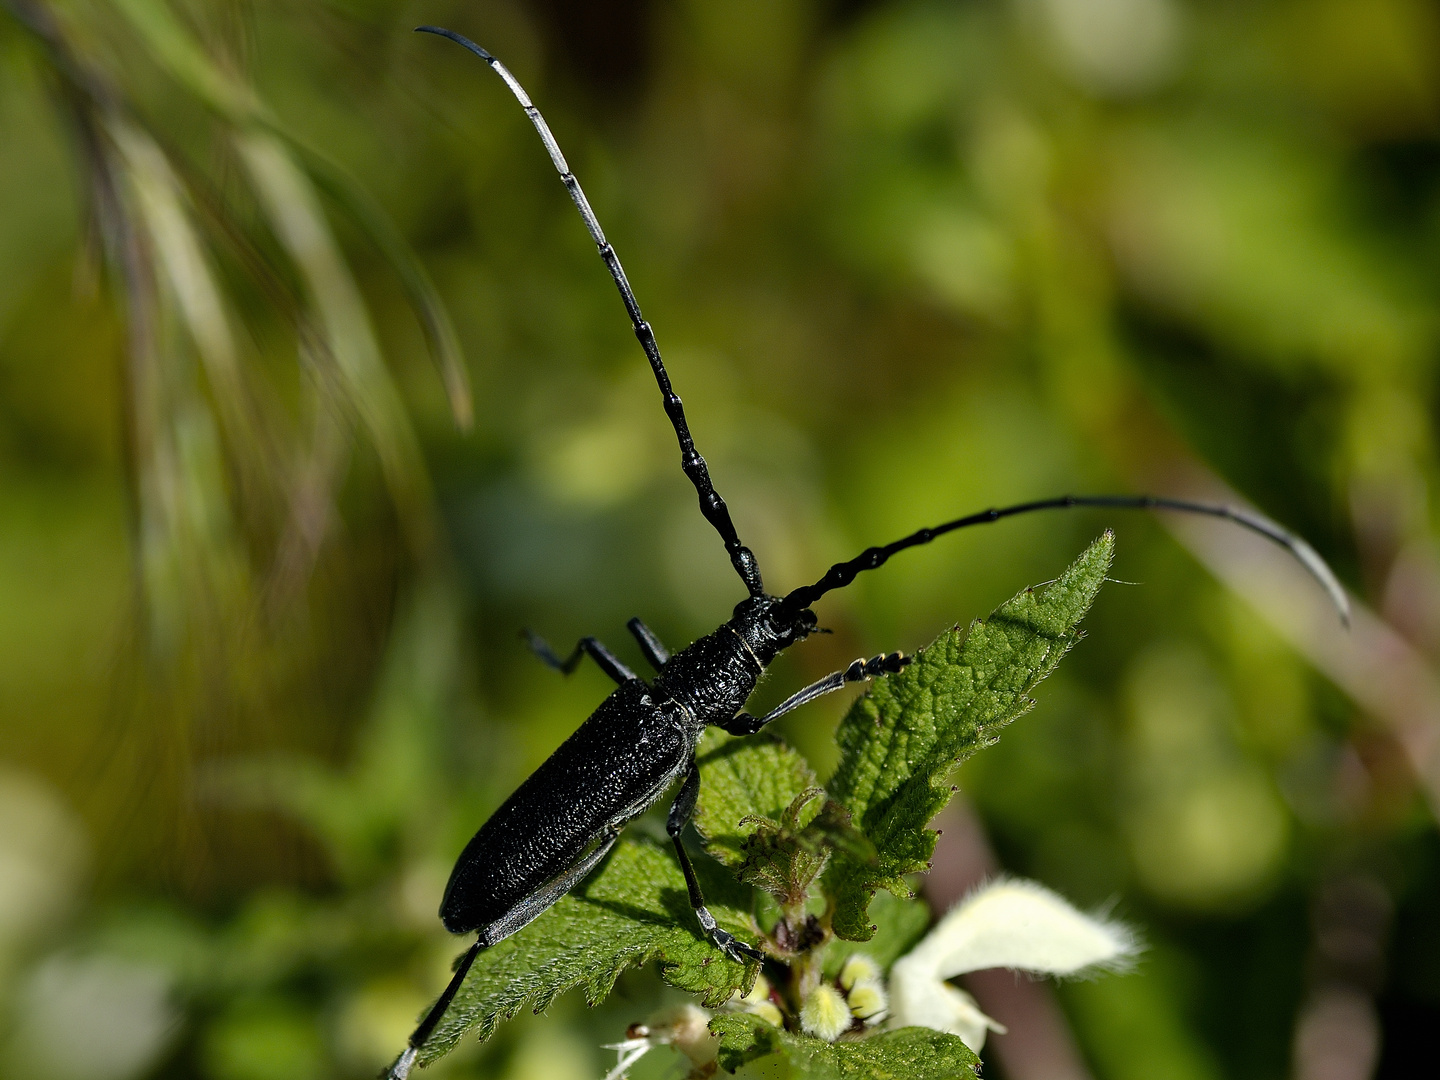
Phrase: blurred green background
x=259 y=669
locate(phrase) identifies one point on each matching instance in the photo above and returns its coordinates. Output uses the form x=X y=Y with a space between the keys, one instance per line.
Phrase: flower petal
x=1024 y=926
x=919 y=998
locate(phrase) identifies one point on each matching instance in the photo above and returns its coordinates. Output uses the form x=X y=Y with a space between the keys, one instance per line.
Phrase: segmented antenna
x=711 y=504
x=843 y=573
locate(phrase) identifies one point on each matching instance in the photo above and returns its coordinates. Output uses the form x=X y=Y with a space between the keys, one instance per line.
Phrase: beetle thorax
x=715 y=675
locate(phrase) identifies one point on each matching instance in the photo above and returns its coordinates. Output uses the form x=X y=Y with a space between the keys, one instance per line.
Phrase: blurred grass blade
x=361 y=381
x=175 y=242
x=191 y=559
x=434 y=318
x=175 y=49
x=183 y=57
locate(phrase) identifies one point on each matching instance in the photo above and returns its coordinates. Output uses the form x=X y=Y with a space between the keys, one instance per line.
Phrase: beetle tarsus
x=734 y=948
x=680 y=812
x=725 y=941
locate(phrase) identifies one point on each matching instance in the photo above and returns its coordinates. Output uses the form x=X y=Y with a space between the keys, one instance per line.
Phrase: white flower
x=685 y=1027
x=758 y=1002
x=935 y=1004
x=1005 y=924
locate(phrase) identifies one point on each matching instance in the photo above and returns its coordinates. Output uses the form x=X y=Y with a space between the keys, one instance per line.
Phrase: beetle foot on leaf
x=734 y=948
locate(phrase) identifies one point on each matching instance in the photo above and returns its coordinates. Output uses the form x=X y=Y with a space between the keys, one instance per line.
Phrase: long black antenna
x=711 y=504
x=843 y=573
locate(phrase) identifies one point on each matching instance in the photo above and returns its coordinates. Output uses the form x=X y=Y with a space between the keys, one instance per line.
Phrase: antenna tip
x=459 y=39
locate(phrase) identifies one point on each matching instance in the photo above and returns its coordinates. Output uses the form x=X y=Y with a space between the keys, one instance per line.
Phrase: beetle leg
x=585 y=646
x=650 y=645
x=521 y=914
x=680 y=813
x=860 y=670
x=402 y=1065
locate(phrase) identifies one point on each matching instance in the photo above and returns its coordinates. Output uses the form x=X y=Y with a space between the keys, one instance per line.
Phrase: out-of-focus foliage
x=259 y=674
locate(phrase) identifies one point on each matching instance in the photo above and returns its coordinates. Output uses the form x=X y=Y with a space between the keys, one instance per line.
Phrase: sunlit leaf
x=741 y=778
x=634 y=910
x=907 y=1054
x=900 y=741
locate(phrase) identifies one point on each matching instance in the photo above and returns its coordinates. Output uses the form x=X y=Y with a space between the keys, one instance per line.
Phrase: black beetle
x=566 y=816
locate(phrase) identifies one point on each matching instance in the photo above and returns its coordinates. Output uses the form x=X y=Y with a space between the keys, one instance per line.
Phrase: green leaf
x=900 y=924
x=742 y=780
x=780 y=856
x=633 y=910
x=900 y=741
x=907 y=1054
x=760 y=813
x=783 y=857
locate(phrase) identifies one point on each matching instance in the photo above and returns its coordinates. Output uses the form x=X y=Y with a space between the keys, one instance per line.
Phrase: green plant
x=798 y=865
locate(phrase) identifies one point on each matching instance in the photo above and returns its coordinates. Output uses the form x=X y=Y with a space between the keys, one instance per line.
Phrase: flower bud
x=825 y=1013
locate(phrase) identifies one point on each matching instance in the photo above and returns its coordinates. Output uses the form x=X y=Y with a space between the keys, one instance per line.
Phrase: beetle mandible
x=642 y=739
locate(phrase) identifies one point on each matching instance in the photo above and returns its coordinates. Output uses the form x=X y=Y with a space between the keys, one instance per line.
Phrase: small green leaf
x=760 y=813
x=900 y=924
x=907 y=1054
x=900 y=741
x=633 y=910
x=780 y=857
x=742 y=781
x=783 y=857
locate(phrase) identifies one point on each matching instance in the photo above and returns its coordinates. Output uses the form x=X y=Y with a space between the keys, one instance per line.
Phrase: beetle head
x=768 y=627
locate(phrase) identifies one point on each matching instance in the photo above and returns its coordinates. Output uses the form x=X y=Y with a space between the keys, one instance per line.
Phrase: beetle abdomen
x=615 y=765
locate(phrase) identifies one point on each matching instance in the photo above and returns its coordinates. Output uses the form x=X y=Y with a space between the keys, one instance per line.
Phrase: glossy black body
x=613 y=768
x=617 y=765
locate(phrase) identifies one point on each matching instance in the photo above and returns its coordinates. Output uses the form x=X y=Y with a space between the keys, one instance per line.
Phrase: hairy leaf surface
x=911 y=1053
x=758 y=776
x=900 y=741
x=633 y=910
